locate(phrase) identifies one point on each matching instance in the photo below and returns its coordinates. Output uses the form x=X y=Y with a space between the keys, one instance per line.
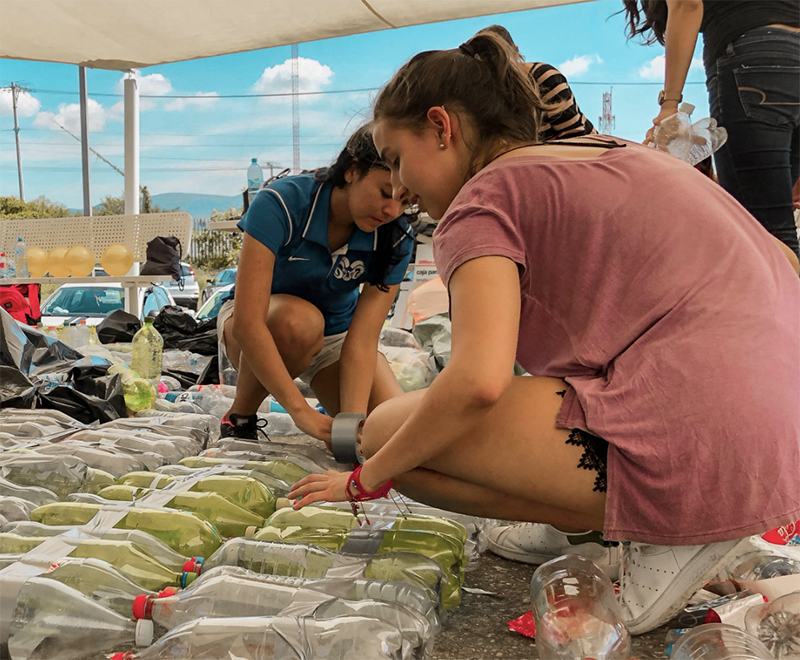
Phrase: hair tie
x=467 y=49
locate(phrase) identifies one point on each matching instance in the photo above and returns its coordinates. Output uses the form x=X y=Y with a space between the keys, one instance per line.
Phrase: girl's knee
x=386 y=419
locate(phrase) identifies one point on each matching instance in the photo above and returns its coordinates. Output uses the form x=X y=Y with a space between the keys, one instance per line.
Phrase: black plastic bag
x=119 y=326
x=37 y=371
x=163 y=257
x=182 y=331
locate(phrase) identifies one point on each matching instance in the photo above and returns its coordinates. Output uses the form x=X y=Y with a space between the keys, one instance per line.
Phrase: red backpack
x=13 y=300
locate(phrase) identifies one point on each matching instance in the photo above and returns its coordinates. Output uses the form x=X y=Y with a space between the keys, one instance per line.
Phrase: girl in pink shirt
x=658 y=318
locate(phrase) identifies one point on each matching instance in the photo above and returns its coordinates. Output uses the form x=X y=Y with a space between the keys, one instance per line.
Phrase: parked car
x=190 y=295
x=212 y=306
x=95 y=301
x=221 y=279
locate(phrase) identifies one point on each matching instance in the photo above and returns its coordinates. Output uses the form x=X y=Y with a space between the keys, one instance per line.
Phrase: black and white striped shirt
x=564 y=119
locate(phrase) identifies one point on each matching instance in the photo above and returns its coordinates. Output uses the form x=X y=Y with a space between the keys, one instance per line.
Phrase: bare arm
x=480 y=369
x=251 y=310
x=360 y=348
x=683 y=25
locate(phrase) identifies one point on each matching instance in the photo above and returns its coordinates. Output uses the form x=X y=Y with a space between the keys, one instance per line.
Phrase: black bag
x=164 y=257
x=182 y=331
x=119 y=326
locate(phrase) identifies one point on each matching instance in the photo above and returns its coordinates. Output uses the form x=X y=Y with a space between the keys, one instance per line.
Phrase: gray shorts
x=330 y=353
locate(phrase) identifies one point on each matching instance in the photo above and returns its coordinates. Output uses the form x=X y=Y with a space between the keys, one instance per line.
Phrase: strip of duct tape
x=344 y=437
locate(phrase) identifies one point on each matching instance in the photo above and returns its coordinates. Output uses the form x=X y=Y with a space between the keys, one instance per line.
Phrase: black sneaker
x=244 y=427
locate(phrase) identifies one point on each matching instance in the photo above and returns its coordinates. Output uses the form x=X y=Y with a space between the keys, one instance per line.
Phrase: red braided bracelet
x=361 y=494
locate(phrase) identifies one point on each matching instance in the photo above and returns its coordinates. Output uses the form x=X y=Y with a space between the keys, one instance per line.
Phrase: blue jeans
x=754 y=93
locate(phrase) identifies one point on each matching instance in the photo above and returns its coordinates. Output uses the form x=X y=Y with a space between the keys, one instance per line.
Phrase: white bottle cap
x=282 y=503
x=144 y=632
x=688 y=108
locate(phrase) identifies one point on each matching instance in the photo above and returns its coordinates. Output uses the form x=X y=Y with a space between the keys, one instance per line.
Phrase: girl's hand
x=315 y=424
x=328 y=487
x=667 y=110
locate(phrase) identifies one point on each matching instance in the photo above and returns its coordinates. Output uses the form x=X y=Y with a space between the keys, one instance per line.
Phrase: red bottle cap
x=142 y=606
x=191 y=566
x=127 y=655
x=167 y=592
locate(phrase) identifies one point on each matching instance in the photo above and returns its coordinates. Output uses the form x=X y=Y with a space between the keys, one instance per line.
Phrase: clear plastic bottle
x=227 y=596
x=21 y=258
x=99 y=580
x=777 y=625
x=576 y=612
x=52 y=620
x=60 y=474
x=82 y=333
x=407 y=595
x=257 y=638
x=718 y=641
x=4 y=266
x=15 y=508
x=184 y=532
x=255 y=176
x=33 y=494
x=147 y=349
x=307 y=560
x=93 y=338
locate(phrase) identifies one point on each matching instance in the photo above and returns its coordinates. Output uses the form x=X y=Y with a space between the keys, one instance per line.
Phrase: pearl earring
x=441 y=145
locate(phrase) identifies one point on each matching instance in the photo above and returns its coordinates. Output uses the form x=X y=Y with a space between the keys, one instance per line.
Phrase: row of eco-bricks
x=151 y=538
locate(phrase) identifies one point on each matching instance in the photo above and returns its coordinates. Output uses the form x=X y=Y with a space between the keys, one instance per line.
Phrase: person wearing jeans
x=751 y=56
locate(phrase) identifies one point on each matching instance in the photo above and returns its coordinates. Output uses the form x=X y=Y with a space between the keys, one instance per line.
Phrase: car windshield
x=85 y=301
x=212 y=306
x=225 y=277
x=185 y=270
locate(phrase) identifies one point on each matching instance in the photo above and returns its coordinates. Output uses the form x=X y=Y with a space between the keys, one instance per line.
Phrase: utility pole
x=15 y=91
x=87 y=198
x=271 y=167
x=295 y=110
x=608 y=121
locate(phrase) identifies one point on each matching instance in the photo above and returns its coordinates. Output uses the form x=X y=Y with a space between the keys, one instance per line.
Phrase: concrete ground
x=478 y=628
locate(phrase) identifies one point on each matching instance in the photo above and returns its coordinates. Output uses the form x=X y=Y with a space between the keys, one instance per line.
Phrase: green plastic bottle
x=228 y=518
x=148 y=543
x=441 y=549
x=15 y=544
x=146 y=350
x=144 y=479
x=138 y=392
x=285 y=470
x=101 y=581
x=321 y=517
x=61 y=475
x=184 y=532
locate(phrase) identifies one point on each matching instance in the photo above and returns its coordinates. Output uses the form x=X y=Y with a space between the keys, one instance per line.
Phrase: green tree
x=111 y=205
x=12 y=208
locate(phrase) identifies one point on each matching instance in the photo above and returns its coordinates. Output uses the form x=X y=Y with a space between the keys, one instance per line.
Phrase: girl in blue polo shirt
x=310 y=242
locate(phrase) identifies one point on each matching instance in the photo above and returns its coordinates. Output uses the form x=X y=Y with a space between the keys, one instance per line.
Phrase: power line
x=249 y=145
x=220 y=96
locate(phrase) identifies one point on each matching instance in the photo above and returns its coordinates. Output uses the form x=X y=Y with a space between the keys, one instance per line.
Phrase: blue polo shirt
x=290 y=217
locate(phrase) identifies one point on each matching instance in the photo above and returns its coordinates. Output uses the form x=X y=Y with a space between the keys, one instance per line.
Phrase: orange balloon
x=79 y=261
x=117 y=260
x=37 y=262
x=55 y=262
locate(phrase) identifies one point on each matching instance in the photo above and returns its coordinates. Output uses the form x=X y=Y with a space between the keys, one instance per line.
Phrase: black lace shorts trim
x=595 y=454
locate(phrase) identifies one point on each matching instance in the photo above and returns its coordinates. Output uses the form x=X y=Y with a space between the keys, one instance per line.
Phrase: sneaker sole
x=538 y=559
x=697 y=573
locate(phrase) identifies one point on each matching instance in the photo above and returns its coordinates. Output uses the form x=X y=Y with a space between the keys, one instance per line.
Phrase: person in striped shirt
x=564 y=119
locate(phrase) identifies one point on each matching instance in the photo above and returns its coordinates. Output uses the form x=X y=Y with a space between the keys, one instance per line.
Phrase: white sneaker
x=658 y=580
x=536 y=543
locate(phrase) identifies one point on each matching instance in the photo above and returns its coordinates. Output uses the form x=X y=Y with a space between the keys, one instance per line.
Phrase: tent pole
x=87 y=198
x=132 y=175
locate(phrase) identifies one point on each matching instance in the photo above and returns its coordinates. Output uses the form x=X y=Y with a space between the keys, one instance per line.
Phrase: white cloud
x=27 y=105
x=204 y=101
x=152 y=84
x=277 y=79
x=69 y=116
x=579 y=65
x=655 y=68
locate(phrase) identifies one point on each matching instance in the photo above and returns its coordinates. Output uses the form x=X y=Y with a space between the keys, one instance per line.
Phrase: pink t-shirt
x=674 y=317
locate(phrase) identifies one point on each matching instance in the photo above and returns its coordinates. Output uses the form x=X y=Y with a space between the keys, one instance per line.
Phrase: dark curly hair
x=647 y=18
x=360 y=152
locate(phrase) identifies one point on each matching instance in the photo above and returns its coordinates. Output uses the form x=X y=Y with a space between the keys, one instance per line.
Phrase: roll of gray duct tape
x=344 y=437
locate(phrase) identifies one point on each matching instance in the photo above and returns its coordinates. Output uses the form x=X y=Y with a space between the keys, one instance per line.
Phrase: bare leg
x=384 y=386
x=296 y=327
x=515 y=464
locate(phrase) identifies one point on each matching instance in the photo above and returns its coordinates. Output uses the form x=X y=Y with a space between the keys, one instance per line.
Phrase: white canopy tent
x=126 y=34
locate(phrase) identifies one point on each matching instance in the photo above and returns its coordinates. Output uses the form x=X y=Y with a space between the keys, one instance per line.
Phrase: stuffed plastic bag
x=182 y=331
x=119 y=326
x=410 y=367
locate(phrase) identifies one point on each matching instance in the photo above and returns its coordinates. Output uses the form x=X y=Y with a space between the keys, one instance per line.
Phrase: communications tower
x=607 y=120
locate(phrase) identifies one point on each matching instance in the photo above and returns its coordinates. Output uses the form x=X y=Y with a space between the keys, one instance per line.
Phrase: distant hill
x=196 y=205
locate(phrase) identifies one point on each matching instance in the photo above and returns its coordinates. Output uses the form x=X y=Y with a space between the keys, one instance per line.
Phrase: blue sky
x=204 y=145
